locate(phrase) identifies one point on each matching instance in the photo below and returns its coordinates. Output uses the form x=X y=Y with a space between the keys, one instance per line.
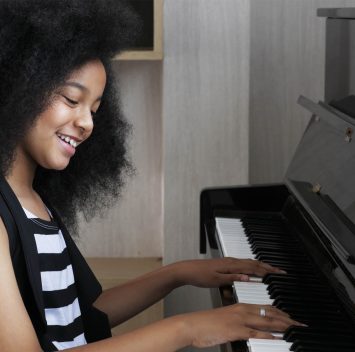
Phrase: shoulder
x=12 y=310
x=4 y=238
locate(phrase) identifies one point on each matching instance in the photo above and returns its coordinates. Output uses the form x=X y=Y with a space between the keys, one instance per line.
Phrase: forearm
x=123 y=302
x=198 y=329
x=167 y=335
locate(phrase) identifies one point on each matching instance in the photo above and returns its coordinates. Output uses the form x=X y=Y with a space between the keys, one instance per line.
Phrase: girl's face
x=68 y=121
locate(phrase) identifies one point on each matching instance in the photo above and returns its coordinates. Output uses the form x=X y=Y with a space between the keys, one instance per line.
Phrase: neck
x=22 y=174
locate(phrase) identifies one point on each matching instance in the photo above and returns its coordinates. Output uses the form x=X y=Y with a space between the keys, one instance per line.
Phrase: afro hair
x=42 y=43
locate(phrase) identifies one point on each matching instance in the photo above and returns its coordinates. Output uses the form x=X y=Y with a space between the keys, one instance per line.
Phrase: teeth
x=68 y=140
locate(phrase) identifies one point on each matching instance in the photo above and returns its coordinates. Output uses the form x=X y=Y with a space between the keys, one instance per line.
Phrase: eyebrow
x=81 y=87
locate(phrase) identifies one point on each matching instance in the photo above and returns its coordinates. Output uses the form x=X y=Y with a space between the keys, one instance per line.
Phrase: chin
x=56 y=165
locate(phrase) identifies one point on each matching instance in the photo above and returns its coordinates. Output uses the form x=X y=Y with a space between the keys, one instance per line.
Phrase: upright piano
x=305 y=225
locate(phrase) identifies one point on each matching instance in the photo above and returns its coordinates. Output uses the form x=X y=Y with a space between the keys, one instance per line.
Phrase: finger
x=267 y=323
x=273 y=312
x=258 y=334
x=270 y=311
x=263 y=269
x=251 y=266
x=230 y=278
x=270 y=268
x=263 y=310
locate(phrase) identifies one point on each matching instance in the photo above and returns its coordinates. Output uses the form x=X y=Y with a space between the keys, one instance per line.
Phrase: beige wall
x=220 y=109
x=205 y=114
x=191 y=112
x=133 y=228
x=287 y=59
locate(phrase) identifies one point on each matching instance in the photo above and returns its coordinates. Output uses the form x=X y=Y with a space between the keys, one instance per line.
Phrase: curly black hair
x=42 y=42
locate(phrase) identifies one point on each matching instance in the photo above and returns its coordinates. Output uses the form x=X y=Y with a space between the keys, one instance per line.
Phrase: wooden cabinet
x=150 y=42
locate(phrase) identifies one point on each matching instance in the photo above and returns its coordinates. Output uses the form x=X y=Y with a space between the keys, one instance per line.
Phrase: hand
x=219 y=272
x=235 y=322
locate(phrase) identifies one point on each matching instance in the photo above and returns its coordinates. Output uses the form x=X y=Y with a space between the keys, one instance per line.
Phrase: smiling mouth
x=68 y=140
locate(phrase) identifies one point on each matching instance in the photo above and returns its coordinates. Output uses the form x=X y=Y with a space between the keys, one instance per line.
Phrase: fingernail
x=301 y=324
x=282 y=271
x=244 y=278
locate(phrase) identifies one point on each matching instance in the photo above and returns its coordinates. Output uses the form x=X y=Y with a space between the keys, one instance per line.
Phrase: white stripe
x=29 y=214
x=64 y=315
x=50 y=243
x=57 y=280
x=78 y=341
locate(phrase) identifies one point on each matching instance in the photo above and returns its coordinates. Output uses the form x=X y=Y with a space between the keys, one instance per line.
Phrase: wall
x=205 y=120
x=220 y=109
x=133 y=228
x=287 y=56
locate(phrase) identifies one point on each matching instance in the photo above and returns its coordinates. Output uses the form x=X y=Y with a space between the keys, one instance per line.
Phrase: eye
x=70 y=101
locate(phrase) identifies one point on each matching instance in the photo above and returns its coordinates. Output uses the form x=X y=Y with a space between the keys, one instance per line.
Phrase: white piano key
x=277 y=334
x=264 y=345
x=255 y=279
x=234 y=243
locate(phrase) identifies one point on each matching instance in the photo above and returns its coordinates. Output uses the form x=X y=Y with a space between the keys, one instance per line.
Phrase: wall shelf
x=150 y=46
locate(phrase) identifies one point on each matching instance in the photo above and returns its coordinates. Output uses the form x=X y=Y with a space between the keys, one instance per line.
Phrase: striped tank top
x=62 y=310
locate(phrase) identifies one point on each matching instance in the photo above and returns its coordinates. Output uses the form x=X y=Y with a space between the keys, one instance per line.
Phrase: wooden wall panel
x=205 y=119
x=286 y=59
x=133 y=228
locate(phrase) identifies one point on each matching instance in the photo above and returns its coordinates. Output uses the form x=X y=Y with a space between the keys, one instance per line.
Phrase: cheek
x=53 y=118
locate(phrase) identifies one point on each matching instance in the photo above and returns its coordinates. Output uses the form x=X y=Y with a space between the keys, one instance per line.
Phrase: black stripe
x=60 y=298
x=67 y=332
x=35 y=228
x=48 y=225
x=54 y=261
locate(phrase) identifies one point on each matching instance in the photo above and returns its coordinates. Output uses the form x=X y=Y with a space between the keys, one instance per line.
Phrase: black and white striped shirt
x=62 y=310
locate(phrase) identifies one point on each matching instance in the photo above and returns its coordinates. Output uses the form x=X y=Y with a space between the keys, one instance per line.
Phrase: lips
x=68 y=139
x=67 y=147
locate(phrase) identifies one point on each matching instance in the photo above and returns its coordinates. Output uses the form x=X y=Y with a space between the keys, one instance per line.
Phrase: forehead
x=91 y=76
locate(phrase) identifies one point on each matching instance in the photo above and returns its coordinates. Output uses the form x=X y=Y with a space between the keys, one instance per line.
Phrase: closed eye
x=70 y=101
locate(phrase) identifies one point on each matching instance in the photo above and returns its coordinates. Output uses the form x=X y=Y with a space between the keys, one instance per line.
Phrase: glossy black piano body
x=315 y=206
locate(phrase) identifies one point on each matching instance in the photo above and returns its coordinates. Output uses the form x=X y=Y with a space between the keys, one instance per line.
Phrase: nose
x=84 y=122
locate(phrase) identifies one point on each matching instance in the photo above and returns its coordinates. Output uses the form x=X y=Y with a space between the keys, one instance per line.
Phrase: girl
x=63 y=151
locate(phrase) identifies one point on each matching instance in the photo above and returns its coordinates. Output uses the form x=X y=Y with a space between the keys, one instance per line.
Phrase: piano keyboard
x=301 y=292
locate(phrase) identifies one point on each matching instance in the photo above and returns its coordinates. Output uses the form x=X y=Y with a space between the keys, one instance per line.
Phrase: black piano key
x=269 y=278
x=276 y=245
x=314 y=287
x=307 y=310
x=321 y=349
x=261 y=221
x=336 y=345
x=304 y=291
x=319 y=336
x=316 y=334
x=305 y=300
x=301 y=292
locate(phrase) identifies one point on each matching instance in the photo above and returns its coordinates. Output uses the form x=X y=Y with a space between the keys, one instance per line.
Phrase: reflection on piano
x=305 y=226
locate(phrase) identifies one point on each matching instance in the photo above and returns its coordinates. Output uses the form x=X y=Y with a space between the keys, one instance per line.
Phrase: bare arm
x=17 y=332
x=15 y=325
x=123 y=302
x=200 y=329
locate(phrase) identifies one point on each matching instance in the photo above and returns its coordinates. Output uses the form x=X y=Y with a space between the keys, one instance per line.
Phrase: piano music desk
x=114 y=271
